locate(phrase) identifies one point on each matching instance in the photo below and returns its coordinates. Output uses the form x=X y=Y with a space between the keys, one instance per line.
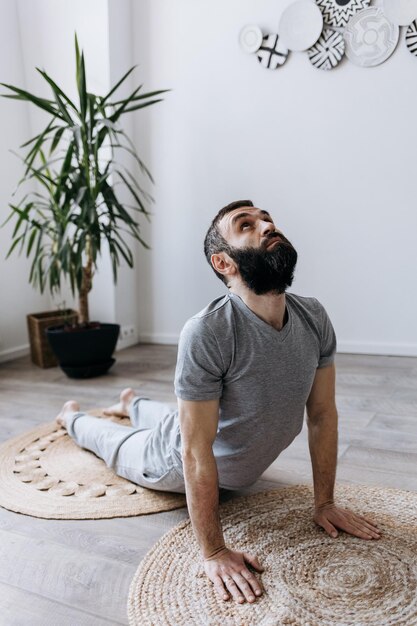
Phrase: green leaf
x=41 y=103
x=126 y=254
x=57 y=90
x=57 y=138
x=31 y=240
x=92 y=115
x=23 y=216
x=151 y=94
x=117 y=85
x=142 y=106
x=32 y=154
x=27 y=143
x=82 y=87
x=133 y=192
x=134 y=154
x=147 y=196
x=14 y=244
x=118 y=112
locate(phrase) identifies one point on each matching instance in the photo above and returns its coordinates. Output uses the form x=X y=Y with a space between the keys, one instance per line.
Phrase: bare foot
x=121 y=409
x=69 y=407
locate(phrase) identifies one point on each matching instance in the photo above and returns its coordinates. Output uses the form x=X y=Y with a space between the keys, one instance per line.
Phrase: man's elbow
x=322 y=416
x=195 y=456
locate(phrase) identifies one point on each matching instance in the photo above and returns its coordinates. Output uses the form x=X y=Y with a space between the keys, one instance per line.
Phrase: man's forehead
x=232 y=216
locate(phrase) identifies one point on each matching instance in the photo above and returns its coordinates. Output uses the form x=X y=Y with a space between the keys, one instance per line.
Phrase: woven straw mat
x=45 y=474
x=309 y=578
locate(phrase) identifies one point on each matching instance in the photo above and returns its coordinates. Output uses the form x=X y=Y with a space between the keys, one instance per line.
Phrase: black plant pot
x=84 y=352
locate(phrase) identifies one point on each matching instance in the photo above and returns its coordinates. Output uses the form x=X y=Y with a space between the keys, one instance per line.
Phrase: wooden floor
x=77 y=573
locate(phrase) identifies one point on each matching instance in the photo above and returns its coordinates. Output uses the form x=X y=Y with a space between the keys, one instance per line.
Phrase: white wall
x=17 y=298
x=330 y=154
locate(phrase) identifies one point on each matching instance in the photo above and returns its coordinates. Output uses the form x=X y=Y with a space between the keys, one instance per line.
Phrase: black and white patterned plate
x=272 y=54
x=328 y=51
x=339 y=12
x=411 y=38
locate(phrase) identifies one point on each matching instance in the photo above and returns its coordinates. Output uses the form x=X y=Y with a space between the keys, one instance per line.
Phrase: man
x=248 y=365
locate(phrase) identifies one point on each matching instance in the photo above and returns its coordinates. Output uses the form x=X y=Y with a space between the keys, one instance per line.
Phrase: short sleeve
x=327 y=340
x=199 y=372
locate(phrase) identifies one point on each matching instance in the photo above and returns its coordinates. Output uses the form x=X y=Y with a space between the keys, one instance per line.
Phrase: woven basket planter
x=40 y=350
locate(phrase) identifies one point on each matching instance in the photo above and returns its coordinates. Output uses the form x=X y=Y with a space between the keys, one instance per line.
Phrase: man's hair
x=214 y=242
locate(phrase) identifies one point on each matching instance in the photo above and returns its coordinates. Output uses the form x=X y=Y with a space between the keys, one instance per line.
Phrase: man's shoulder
x=307 y=302
x=212 y=318
x=307 y=307
x=217 y=308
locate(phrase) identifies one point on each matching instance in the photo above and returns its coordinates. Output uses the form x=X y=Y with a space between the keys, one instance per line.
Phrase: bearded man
x=248 y=365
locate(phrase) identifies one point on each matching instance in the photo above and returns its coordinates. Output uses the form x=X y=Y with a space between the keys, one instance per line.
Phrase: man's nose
x=267 y=227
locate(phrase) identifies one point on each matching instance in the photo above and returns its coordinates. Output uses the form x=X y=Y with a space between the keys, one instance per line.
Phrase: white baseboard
x=126 y=343
x=381 y=349
x=14 y=353
x=349 y=347
x=164 y=338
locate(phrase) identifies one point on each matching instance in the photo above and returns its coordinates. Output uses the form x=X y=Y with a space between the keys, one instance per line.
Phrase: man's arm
x=322 y=439
x=226 y=568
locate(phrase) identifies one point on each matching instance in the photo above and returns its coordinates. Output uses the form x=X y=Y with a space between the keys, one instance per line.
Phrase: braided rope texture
x=43 y=473
x=310 y=579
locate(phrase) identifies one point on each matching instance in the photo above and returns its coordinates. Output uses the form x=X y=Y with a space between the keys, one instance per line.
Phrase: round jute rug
x=45 y=474
x=309 y=578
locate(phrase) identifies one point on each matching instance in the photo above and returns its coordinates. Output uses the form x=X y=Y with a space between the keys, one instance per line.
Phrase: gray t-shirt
x=262 y=377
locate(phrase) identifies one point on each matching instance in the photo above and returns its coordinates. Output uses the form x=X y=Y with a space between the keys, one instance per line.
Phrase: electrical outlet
x=127 y=332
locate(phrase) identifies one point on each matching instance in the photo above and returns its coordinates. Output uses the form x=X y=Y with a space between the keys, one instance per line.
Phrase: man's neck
x=270 y=307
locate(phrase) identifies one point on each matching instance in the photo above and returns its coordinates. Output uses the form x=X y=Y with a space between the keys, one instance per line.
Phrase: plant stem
x=86 y=285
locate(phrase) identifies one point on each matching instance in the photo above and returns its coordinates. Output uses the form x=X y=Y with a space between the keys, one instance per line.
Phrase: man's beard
x=264 y=271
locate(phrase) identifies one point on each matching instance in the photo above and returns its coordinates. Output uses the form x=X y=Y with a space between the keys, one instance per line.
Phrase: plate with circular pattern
x=370 y=38
x=250 y=38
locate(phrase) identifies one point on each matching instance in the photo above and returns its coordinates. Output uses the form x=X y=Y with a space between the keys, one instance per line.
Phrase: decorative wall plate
x=339 y=12
x=250 y=38
x=370 y=38
x=400 y=12
x=411 y=38
x=300 y=25
x=272 y=54
x=328 y=51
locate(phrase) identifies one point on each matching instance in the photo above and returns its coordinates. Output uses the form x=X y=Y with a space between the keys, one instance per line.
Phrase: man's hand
x=330 y=517
x=229 y=574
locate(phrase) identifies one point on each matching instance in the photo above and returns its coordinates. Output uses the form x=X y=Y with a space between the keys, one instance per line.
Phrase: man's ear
x=223 y=264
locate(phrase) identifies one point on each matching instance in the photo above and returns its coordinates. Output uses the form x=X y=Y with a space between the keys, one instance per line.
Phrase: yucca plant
x=62 y=221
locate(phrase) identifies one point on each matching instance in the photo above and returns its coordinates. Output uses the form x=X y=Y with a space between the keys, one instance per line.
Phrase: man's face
x=265 y=258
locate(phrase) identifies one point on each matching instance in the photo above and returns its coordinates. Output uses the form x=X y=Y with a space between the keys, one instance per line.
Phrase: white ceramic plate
x=300 y=25
x=370 y=38
x=338 y=12
x=400 y=12
x=250 y=38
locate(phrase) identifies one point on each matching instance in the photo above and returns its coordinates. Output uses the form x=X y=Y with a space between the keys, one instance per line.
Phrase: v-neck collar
x=278 y=334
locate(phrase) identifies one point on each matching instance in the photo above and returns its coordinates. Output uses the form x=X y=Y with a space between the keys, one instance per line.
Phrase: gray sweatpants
x=130 y=450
